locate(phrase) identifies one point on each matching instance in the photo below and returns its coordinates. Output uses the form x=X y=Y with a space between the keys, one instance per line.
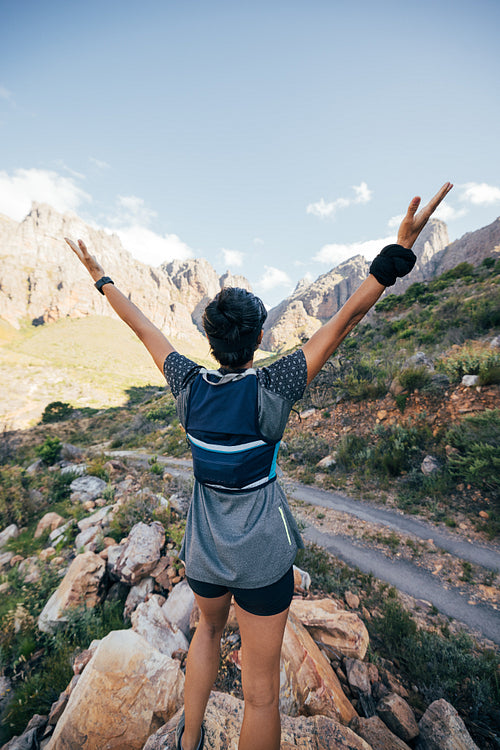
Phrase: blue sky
x=273 y=138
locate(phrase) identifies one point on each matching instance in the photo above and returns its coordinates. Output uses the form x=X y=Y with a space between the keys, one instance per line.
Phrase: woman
x=241 y=538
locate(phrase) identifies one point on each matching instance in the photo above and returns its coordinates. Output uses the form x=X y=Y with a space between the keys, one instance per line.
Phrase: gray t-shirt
x=244 y=539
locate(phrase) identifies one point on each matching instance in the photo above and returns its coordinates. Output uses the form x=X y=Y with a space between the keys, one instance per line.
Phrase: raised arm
x=153 y=339
x=383 y=272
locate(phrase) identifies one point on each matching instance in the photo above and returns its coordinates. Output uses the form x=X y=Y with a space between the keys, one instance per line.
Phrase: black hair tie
x=392 y=262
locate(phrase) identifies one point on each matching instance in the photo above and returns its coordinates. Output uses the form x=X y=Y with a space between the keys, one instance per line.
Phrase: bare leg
x=261 y=639
x=202 y=665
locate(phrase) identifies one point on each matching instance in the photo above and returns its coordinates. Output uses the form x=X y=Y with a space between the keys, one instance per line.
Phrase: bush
x=57 y=411
x=448 y=667
x=477 y=438
x=162 y=413
x=16 y=503
x=468 y=360
x=50 y=450
x=414 y=378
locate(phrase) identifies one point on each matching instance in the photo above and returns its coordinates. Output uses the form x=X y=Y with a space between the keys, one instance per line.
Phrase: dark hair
x=232 y=322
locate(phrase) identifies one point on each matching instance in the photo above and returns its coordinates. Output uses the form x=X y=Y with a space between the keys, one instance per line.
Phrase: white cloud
x=99 y=163
x=19 y=189
x=133 y=210
x=258 y=241
x=232 y=258
x=395 y=221
x=5 y=93
x=362 y=194
x=445 y=212
x=152 y=248
x=335 y=254
x=480 y=193
x=272 y=278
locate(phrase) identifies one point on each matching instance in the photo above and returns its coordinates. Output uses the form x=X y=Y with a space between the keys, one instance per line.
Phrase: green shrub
x=448 y=667
x=477 y=438
x=57 y=411
x=139 y=507
x=351 y=451
x=468 y=360
x=50 y=450
x=96 y=467
x=307 y=449
x=414 y=378
x=17 y=505
x=162 y=413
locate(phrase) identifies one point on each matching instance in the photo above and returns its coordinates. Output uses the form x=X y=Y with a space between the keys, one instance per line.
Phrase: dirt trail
x=418 y=558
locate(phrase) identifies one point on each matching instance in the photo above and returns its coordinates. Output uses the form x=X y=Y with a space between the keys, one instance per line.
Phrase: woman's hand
x=88 y=260
x=413 y=223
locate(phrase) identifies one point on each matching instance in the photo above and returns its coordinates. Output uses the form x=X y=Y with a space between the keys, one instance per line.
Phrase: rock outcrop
x=299 y=315
x=41 y=281
x=342 y=631
x=309 y=683
x=125 y=693
x=80 y=586
x=223 y=719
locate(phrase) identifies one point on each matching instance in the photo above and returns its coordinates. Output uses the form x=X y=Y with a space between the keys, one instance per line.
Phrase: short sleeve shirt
x=287 y=376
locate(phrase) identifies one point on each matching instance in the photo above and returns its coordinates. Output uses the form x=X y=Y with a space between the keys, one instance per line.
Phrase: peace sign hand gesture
x=91 y=264
x=413 y=223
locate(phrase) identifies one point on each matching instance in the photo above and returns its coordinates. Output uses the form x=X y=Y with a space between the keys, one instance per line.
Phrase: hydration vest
x=224 y=428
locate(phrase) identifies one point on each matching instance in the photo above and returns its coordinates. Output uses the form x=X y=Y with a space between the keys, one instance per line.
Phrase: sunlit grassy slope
x=87 y=362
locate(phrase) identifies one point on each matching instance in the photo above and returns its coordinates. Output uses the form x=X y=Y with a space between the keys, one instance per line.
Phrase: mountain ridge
x=41 y=281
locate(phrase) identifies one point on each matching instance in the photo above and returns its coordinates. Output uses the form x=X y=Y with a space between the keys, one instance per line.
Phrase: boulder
x=358 y=676
x=352 y=600
x=87 y=487
x=10 y=532
x=441 y=728
x=29 y=740
x=378 y=736
x=95 y=519
x=5 y=559
x=470 y=380
x=138 y=594
x=301 y=579
x=308 y=683
x=141 y=552
x=223 y=719
x=77 y=469
x=177 y=608
x=342 y=631
x=71 y=452
x=58 y=533
x=150 y=621
x=327 y=462
x=35 y=467
x=429 y=465
x=48 y=521
x=125 y=693
x=180 y=503
x=88 y=539
x=81 y=585
x=398 y=716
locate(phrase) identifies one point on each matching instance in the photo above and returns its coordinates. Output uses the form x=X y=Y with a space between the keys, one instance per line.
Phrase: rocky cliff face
x=42 y=281
x=310 y=305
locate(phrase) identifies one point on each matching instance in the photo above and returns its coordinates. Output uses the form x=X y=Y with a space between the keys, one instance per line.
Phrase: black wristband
x=100 y=283
x=392 y=262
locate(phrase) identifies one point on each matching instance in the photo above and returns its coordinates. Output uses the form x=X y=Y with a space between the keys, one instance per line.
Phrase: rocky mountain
x=42 y=281
x=310 y=305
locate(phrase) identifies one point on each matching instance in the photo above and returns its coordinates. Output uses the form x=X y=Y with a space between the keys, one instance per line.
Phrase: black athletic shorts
x=268 y=600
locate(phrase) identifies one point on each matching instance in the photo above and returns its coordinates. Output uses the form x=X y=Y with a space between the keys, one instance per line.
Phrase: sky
x=275 y=139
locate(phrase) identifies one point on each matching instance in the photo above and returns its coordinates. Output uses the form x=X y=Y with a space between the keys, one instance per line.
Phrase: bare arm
x=153 y=339
x=325 y=341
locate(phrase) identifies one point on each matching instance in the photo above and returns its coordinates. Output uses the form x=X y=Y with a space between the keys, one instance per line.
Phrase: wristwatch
x=100 y=283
